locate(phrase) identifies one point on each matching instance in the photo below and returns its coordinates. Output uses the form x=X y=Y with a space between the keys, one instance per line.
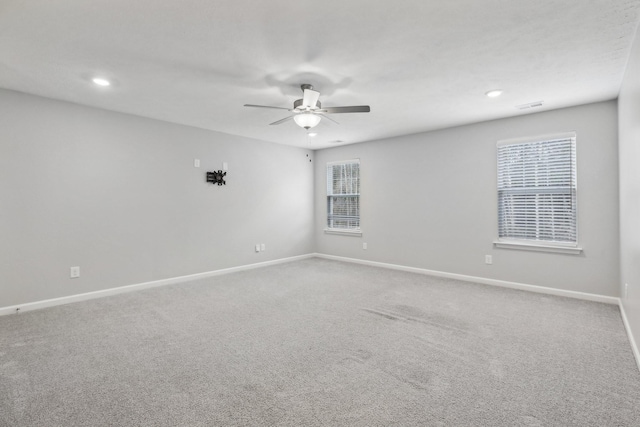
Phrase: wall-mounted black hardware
x=216 y=177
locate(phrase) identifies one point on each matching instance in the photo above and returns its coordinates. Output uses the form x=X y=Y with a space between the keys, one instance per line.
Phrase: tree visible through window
x=343 y=195
x=537 y=190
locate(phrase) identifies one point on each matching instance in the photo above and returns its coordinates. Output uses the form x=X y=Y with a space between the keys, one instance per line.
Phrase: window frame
x=340 y=230
x=544 y=245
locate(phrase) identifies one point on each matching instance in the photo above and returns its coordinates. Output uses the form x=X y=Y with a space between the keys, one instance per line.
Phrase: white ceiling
x=420 y=64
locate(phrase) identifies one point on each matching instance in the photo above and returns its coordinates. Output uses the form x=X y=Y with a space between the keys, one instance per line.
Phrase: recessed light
x=313 y=134
x=494 y=93
x=100 y=81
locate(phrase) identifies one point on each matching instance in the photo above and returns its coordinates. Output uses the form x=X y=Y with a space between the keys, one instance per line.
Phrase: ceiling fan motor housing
x=298 y=102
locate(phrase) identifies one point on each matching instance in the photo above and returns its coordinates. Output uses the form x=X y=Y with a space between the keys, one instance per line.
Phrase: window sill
x=355 y=233
x=572 y=250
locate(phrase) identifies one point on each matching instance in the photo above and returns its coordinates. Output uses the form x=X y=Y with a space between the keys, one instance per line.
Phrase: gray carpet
x=319 y=343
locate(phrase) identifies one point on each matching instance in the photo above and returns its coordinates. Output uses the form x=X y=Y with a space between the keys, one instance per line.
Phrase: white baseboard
x=139 y=286
x=627 y=326
x=483 y=280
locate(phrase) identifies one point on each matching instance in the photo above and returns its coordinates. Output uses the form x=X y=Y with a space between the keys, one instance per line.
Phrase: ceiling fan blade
x=353 y=109
x=282 y=120
x=324 y=116
x=267 y=106
x=310 y=98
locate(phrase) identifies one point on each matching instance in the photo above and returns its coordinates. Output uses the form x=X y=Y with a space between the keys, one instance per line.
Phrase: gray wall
x=629 y=116
x=119 y=196
x=429 y=201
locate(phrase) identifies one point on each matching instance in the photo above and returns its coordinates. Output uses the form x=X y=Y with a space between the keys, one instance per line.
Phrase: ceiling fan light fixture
x=307 y=120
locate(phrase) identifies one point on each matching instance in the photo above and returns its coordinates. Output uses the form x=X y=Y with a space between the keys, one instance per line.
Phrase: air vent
x=530 y=105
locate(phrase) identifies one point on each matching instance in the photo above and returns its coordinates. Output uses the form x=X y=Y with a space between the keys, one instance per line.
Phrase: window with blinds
x=537 y=190
x=343 y=195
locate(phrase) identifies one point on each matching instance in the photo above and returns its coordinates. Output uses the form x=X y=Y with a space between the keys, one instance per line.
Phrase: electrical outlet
x=364 y=246
x=225 y=166
x=626 y=289
x=74 y=272
x=488 y=259
x=257 y=247
x=263 y=247
x=196 y=163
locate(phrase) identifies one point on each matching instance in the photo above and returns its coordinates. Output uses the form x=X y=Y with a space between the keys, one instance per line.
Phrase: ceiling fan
x=307 y=112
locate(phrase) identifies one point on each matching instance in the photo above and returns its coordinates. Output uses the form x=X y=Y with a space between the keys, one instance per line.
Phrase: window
x=537 y=189
x=343 y=196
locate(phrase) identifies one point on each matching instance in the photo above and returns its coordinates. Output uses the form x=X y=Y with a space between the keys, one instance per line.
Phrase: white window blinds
x=343 y=195
x=537 y=190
